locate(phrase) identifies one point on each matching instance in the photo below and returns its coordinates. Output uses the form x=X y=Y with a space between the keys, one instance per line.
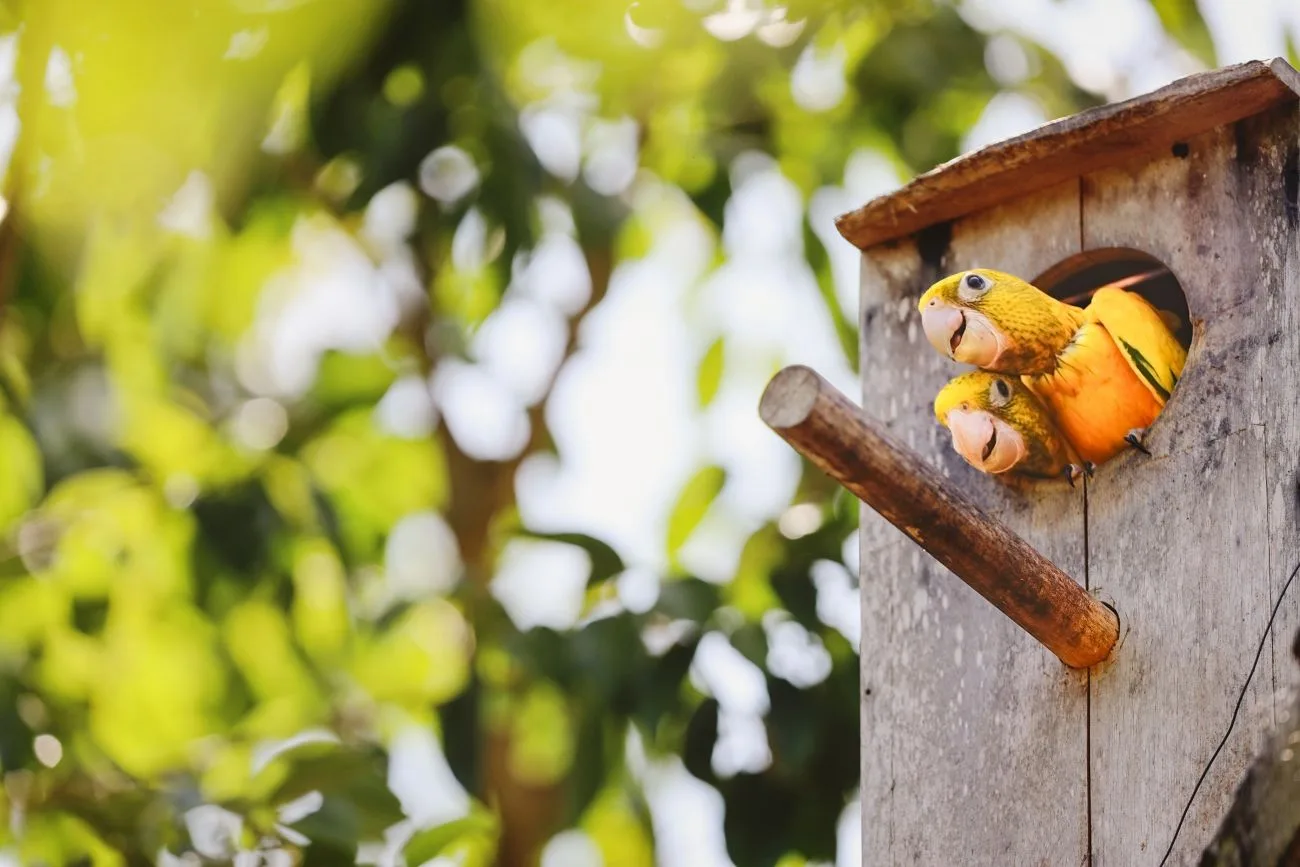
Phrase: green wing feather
x=1143 y=337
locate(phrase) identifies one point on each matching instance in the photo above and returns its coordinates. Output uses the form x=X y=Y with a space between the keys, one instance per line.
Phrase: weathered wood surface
x=1182 y=539
x=974 y=742
x=1067 y=148
x=1263 y=827
x=852 y=448
x=966 y=754
x=1193 y=582
x=1279 y=269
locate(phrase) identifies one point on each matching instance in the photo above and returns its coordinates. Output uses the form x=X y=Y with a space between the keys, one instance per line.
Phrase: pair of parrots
x=1059 y=388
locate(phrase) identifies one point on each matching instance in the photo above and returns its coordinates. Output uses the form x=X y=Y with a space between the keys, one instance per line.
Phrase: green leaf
x=659 y=696
x=348 y=379
x=374 y=478
x=751 y=640
x=750 y=591
x=701 y=735
x=1183 y=21
x=846 y=330
x=358 y=803
x=432 y=842
x=688 y=599
x=22 y=475
x=692 y=503
x=605 y=656
x=709 y=376
x=605 y=562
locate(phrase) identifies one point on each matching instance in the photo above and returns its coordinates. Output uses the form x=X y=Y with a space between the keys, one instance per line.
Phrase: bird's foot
x=1074 y=471
x=1135 y=438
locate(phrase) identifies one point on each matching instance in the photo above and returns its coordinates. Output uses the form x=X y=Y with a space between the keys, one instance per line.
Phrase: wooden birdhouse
x=978 y=746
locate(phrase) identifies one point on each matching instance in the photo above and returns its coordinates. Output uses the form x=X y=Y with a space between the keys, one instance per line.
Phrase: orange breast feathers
x=1094 y=395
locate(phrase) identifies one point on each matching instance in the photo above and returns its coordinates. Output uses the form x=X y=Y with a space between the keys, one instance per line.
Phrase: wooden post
x=855 y=450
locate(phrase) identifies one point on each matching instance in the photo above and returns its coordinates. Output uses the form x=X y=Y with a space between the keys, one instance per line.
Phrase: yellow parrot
x=998 y=426
x=1103 y=373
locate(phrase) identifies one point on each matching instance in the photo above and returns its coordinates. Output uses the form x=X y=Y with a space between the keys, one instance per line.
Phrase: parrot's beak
x=944 y=326
x=986 y=442
x=962 y=335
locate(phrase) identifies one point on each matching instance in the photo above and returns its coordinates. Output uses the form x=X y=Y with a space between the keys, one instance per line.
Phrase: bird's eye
x=973 y=287
x=1000 y=393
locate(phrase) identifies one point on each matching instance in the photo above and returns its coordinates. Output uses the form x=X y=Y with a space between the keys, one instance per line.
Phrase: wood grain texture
x=973 y=740
x=1182 y=539
x=1191 y=572
x=1067 y=148
x=1275 y=183
x=852 y=448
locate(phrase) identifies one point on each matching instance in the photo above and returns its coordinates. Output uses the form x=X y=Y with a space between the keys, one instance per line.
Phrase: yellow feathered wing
x=1114 y=376
x=1143 y=338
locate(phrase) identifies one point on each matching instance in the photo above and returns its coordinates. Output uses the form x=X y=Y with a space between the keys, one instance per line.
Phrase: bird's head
x=991 y=417
x=996 y=321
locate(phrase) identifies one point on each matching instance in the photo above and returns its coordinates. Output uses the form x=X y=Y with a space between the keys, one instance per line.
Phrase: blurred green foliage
x=209 y=644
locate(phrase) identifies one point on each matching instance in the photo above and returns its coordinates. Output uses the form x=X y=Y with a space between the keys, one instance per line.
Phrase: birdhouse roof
x=1072 y=146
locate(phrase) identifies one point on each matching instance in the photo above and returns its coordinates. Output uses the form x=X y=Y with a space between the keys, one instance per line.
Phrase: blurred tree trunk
x=481 y=492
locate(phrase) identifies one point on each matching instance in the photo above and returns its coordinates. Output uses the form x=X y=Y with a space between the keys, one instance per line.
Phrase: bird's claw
x=1073 y=471
x=1134 y=438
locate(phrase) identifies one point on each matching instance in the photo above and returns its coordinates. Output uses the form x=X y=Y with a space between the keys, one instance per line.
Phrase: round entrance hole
x=1075 y=279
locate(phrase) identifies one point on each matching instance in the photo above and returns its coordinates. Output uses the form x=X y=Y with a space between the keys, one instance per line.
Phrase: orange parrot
x=1103 y=373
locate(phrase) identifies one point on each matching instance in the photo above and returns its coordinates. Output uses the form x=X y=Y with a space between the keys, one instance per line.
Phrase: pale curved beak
x=963 y=335
x=985 y=441
x=944 y=326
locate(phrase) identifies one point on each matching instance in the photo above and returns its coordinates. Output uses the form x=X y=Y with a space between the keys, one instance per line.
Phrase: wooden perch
x=855 y=450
